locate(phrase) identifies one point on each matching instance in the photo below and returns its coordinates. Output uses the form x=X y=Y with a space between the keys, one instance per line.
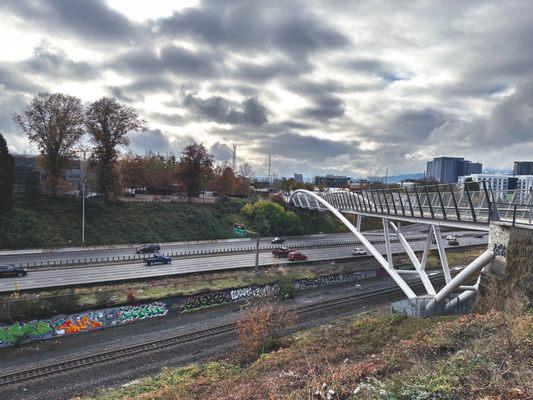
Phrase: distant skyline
x=325 y=86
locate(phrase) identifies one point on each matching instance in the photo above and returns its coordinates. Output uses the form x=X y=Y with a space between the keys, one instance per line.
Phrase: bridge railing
x=474 y=202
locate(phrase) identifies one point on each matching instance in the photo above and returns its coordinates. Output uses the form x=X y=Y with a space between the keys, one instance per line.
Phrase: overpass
x=436 y=206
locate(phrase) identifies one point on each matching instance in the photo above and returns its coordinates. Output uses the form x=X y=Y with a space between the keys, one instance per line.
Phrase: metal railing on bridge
x=469 y=203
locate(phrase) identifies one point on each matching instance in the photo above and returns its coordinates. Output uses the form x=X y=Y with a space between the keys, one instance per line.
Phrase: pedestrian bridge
x=436 y=206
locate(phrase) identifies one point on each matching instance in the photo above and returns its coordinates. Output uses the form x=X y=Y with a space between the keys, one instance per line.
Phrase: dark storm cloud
x=411 y=127
x=255 y=27
x=376 y=67
x=90 y=20
x=158 y=142
x=298 y=147
x=221 y=151
x=326 y=105
x=55 y=63
x=11 y=79
x=171 y=59
x=262 y=72
x=219 y=109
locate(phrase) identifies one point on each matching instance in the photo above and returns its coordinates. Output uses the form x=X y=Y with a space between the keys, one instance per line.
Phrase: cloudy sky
x=325 y=86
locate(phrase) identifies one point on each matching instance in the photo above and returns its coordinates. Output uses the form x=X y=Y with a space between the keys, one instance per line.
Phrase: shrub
x=261 y=326
x=286 y=288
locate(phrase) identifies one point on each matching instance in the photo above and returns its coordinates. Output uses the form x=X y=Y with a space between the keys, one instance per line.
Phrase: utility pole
x=234 y=157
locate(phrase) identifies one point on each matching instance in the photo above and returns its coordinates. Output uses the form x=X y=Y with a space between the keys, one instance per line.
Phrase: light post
x=240 y=229
x=83 y=213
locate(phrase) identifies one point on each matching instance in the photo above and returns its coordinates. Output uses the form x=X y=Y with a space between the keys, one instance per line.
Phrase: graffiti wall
x=90 y=321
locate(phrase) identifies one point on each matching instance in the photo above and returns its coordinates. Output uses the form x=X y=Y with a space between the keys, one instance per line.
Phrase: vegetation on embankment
x=54 y=221
x=26 y=306
x=375 y=357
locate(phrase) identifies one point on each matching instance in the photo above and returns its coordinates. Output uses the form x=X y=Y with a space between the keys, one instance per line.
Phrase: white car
x=359 y=252
x=451 y=237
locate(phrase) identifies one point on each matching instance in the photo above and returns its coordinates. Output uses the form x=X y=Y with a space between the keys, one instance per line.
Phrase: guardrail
x=196 y=253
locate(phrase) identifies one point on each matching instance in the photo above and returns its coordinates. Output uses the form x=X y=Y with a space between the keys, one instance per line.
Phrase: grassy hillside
x=52 y=222
x=375 y=357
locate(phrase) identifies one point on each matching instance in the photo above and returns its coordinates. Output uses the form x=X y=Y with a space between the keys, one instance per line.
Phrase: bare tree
x=108 y=122
x=55 y=123
x=246 y=171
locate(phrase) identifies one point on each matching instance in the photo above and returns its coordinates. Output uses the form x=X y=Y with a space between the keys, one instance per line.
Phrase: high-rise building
x=449 y=169
x=299 y=178
x=523 y=168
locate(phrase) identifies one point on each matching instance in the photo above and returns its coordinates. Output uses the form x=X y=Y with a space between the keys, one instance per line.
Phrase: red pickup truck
x=281 y=252
x=296 y=256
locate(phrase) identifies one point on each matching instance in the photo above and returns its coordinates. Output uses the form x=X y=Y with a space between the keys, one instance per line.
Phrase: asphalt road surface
x=37 y=279
x=49 y=256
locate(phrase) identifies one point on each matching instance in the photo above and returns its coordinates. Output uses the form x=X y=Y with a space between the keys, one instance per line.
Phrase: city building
x=522 y=184
x=523 y=168
x=299 y=178
x=332 y=181
x=449 y=169
x=26 y=164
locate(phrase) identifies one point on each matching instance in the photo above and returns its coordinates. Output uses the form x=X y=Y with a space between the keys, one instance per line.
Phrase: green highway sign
x=239 y=229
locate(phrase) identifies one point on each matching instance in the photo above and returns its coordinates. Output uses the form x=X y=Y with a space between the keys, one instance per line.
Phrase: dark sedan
x=148 y=248
x=277 y=240
x=7 y=271
x=157 y=259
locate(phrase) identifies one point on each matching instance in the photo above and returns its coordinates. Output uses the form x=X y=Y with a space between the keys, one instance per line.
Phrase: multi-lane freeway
x=39 y=279
x=83 y=255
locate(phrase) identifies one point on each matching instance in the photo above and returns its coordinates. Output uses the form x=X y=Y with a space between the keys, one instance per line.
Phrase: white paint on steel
x=387 y=242
x=427 y=246
x=364 y=241
x=455 y=283
x=423 y=277
x=442 y=253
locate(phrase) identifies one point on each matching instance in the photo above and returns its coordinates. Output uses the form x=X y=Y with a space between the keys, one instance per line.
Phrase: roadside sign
x=239 y=229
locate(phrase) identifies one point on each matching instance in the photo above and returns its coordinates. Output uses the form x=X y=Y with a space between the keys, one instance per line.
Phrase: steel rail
x=85 y=361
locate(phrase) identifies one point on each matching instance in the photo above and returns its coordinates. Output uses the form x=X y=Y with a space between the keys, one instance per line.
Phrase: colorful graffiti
x=140 y=312
x=17 y=332
x=204 y=301
x=254 y=291
x=93 y=320
x=79 y=323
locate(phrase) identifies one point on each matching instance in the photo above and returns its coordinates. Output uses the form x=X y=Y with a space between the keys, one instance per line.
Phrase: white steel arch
x=453 y=286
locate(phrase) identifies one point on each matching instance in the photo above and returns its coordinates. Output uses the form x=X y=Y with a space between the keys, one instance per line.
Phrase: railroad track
x=85 y=361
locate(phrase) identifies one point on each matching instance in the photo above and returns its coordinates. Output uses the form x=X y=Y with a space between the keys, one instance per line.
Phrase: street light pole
x=83 y=214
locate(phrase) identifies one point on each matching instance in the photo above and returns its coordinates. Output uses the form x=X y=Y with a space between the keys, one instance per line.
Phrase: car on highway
x=157 y=259
x=148 y=248
x=451 y=237
x=8 y=270
x=359 y=252
x=453 y=242
x=296 y=256
x=281 y=252
x=277 y=240
x=478 y=235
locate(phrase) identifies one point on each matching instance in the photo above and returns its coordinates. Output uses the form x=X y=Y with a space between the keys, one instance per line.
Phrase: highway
x=25 y=257
x=72 y=276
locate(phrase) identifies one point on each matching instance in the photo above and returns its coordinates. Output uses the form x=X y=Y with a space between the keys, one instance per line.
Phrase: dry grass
x=471 y=357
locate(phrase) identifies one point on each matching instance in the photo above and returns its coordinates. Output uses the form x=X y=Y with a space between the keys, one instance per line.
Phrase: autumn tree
x=161 y=172
x=195 y=168
x=55 y=123
x=108 y=123
x=224 y=181
x=261 y=326
x=7 y=177
x=132 y=169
